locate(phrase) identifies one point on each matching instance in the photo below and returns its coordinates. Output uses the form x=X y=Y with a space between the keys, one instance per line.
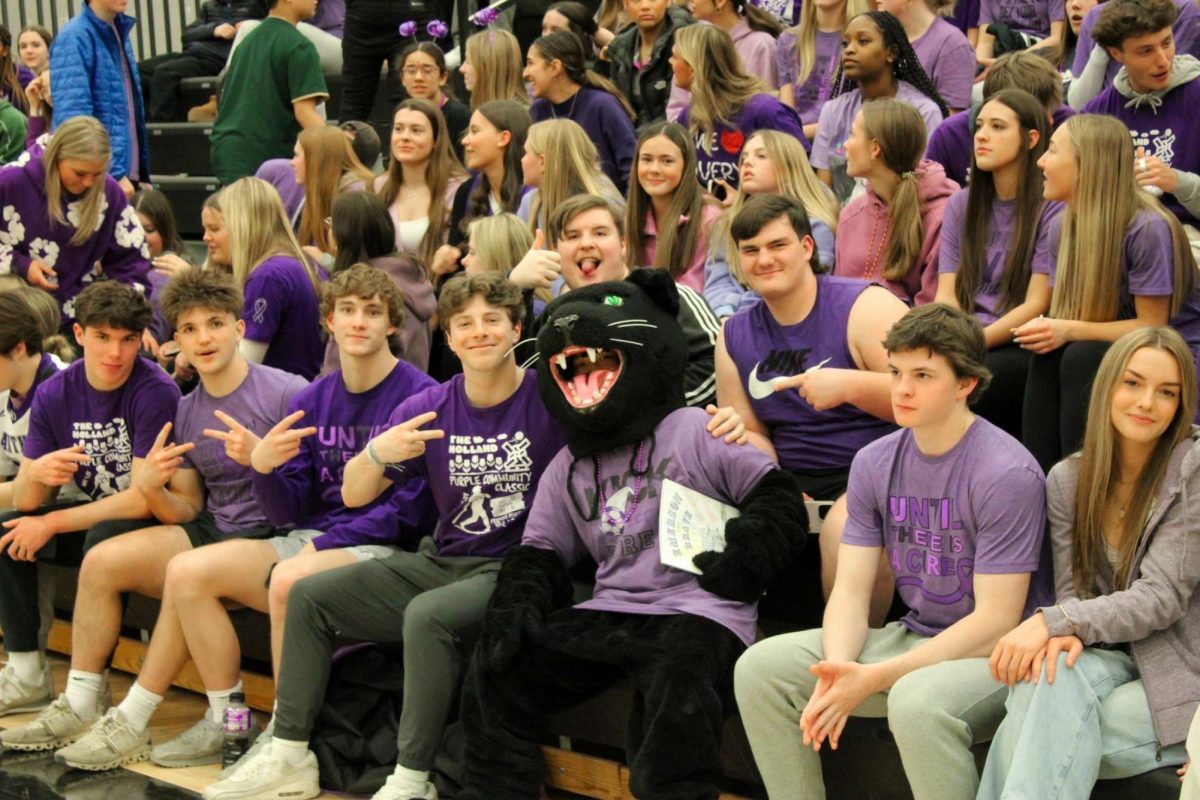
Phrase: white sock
x=408 y=781
x=28 y=666
x=83 y=692
x=290 y=751
x=219 y=701
x=138 y=706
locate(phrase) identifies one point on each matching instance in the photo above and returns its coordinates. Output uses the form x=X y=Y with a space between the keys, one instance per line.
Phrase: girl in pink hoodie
x=890 y=234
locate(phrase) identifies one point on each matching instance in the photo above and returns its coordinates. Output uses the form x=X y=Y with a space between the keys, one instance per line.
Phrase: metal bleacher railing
x=159 y=29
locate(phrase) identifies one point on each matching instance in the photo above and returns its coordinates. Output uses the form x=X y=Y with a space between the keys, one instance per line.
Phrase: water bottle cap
x=237 y=697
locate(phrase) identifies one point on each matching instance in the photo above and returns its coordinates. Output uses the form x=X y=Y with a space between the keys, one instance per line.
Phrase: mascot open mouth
x=586 y=374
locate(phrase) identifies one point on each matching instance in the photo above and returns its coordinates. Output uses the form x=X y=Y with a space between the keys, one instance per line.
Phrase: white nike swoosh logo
x=762 y=389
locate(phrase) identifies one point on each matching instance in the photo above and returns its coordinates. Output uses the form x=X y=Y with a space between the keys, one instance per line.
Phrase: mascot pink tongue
x=589 y=384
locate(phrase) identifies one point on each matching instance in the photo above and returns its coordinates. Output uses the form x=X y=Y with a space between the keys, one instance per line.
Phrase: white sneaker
x=396 y=789
x=256 y=747
x=199 y=745
x=266 y=776
x=57 y=726
x=18 y=698
x=110 y=743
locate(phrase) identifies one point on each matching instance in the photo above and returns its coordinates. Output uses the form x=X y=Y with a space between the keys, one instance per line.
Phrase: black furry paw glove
x=770 y=532
x=532 y=583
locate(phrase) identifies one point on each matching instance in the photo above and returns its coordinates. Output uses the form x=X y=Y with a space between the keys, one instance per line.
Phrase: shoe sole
x=305 y=792
x=175 y=762
x=37 y=747
x=136 y=757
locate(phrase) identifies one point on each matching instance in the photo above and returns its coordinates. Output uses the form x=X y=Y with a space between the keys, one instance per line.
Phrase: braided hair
x=907 y=67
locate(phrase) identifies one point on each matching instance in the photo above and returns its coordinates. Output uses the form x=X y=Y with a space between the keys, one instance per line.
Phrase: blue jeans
x=1058 y=739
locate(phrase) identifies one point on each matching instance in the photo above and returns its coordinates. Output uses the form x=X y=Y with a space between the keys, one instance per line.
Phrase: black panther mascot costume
x=610 y=369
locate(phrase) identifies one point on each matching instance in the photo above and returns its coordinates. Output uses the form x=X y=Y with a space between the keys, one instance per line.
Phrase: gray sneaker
x=198 y=745
x=110 y=743
x=18 y=698
x=57 y=726
x=256 y=747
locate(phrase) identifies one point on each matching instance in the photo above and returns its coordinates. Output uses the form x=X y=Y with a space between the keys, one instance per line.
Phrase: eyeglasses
x=424 y=72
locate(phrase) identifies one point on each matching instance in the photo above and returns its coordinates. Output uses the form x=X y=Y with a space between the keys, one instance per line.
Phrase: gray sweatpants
x=426 y=601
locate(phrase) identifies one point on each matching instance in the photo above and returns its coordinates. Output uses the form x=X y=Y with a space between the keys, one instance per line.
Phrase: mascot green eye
x=613 y=300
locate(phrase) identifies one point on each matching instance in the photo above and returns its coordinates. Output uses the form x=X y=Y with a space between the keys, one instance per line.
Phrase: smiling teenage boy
x=481 y=440
x=94 y=424
x=958 y=508
x=200 y=490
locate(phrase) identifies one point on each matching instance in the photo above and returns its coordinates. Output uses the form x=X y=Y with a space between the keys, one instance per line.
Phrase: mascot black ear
x=659 y=285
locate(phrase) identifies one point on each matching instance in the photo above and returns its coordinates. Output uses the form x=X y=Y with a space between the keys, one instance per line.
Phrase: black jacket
x=198 y=37
x=649 y=99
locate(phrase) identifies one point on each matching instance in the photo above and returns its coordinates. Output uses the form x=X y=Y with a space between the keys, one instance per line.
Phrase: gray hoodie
x=1184 y=69
x=1158 y=612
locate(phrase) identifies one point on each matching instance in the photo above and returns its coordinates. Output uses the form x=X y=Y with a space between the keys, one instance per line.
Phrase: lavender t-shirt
x=979 y=508
x=484 y=472
x=810 y=96
x=282 y=310
x=260 y=401
x=622 y=536
x=113 y=427
x=1000 y=238
x=949 y=60
x=1027 y=16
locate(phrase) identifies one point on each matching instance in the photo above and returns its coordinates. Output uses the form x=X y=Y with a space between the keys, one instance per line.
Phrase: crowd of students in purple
x=936 y=260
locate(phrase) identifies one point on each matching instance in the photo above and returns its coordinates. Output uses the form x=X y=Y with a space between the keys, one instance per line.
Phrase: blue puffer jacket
x=85 y=80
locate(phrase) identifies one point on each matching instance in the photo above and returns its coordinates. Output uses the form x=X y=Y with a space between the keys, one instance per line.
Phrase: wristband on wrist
x=374 y=457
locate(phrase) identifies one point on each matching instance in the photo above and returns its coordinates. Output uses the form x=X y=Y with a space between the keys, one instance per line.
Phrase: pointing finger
x=288 y=421
x=233 y=424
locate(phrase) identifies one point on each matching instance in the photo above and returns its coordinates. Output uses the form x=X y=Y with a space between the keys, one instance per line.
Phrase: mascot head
x=611 y=358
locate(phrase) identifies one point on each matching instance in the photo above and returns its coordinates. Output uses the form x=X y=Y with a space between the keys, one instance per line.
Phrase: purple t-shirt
x=805 y=439
x=113 y=427
x=949 y=60
x=260 y=401
x=282 y=310
x=952 y=144
x=836 y=121
x=606 y=123
x=999 y=239
x=622 y=536
x=966 y=15
x=717 y=155
x=1167 y=131
x=484 y=472
x=810 y=96
x=1028 y=16
x=279 y=173
x=307 y=490
x=1186 y=29
x=978 y=508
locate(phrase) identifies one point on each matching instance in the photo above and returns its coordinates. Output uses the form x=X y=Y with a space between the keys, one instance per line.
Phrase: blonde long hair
x=441 y=168
x=330 y=168
x=82 y=139
x=258 y=228
x=720 y=86
x=1106 y=201
x=796 y=179
x=572 y=165
x=1098 y=467
x=806 y=34
x=498 y=61
x=899 y=131
x=500 y=242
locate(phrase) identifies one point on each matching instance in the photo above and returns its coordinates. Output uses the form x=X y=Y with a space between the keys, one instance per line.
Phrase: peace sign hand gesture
x=405 y=440
x=161 y=463
x=280 y=445
x=239 y=440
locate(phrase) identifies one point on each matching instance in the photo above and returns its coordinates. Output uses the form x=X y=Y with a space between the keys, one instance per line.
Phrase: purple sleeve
x=42 y=437
x=677 y=101
x=407 y=515
x=1148 y=258
x=549 y=525
x=946 y=148
x=777 y=117
x=985 y=12
x=153 y=407
x=284 y=492
x=785 y=58
x=956 y=70
x=952 y=222
x=1083 y=48
x=1010 y=515
x=760 y=59
x=864 y=524
x=265 y=303
x=622 y=141
x=824 y=144
x=1057 y=11
x=1045 y=245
